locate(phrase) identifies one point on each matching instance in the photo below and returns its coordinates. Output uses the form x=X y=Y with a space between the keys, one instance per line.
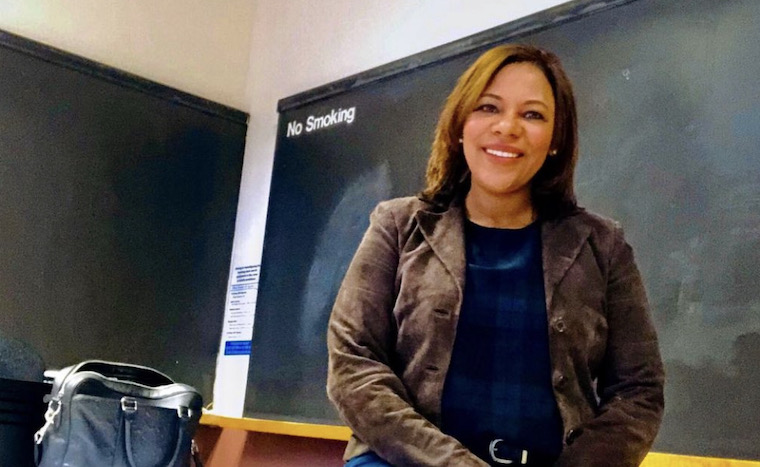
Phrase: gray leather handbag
x=119 y=415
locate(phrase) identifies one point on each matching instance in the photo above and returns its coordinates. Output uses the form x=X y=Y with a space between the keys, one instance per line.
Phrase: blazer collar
x=444 y=232
x=562 y=240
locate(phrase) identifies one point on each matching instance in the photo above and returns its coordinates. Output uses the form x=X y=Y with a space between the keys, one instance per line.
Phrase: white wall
x=197 y=46
x=301 y=44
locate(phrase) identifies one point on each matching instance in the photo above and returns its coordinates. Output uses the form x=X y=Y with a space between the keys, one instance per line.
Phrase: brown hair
x=448 y=176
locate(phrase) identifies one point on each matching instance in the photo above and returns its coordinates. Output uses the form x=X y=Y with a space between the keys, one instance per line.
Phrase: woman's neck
x=513 y=211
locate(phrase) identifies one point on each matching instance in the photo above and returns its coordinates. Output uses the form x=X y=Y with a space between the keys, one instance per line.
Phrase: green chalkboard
x=118 y=199
x=670 y=130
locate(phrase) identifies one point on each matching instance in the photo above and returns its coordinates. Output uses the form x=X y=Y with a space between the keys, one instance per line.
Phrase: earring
x=553 y=152
x=461 y=140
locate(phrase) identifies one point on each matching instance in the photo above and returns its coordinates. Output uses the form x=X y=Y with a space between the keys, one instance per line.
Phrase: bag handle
x=129 y=408
x=114 y=370
x=127 y=372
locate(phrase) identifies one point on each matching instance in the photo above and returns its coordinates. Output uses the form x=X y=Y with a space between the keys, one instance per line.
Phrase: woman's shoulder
x=605 y=232
x=403 y=214
x=594 y=220
x=403 y=208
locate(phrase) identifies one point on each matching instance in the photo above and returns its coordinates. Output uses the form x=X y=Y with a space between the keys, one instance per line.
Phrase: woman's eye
x=533 y=115
x=490 y=108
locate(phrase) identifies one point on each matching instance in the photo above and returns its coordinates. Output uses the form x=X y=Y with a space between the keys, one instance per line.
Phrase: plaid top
x=499 y=381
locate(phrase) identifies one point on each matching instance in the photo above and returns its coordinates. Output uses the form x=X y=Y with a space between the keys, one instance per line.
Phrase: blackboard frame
x=190 y=132
x=98 y=70
x=511 y=31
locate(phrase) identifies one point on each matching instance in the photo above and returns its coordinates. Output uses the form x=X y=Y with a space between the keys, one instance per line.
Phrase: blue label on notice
x=237 y=348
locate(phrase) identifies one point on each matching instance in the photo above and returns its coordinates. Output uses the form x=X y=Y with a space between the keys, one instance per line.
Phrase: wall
x=301 y=44
x=192 y=45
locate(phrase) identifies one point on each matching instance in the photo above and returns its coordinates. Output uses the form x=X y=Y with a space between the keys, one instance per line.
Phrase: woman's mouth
x=503 y=154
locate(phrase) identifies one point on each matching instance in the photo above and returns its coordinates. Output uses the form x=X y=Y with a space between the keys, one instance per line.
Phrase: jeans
x=369 y=459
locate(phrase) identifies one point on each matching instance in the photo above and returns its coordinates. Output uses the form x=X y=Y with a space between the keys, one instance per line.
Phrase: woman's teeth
x=494 y=152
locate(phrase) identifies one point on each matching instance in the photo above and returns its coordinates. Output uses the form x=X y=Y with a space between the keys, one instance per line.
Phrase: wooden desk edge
x=304 y=430
x=342 y=433
x=659 y=459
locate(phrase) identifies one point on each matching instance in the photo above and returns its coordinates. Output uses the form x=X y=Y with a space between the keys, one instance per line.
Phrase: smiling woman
x=506 y=140
x=491 y=320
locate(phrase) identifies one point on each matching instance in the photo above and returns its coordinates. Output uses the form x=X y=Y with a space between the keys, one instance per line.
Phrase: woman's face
x=507 y=137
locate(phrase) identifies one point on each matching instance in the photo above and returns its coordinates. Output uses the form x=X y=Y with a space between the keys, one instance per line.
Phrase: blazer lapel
x=444 y=232
x=561 y=240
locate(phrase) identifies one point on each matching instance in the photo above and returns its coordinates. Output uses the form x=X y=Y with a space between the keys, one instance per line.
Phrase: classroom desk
x=243 y=442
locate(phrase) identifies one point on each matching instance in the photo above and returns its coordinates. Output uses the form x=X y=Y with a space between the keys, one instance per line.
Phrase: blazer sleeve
x=369 y=395
x=630 y=384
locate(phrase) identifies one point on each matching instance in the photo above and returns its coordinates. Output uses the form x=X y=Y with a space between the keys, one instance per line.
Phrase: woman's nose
x=506 y=125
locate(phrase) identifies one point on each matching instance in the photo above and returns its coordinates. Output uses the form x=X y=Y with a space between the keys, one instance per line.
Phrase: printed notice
x=238 y=323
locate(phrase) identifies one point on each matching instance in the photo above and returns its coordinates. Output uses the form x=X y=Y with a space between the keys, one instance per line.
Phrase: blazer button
x=559 y=379
x=559 y=325
x=572 y=435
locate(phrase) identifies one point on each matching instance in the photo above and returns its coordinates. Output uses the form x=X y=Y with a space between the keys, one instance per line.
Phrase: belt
x=500 y=454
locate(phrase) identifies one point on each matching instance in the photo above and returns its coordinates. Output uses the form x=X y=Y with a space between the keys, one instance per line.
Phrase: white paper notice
x=241 y=307
x=235 y=348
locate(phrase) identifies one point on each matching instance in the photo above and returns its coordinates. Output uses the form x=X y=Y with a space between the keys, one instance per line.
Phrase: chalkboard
x=117 y=209
x=670 y=130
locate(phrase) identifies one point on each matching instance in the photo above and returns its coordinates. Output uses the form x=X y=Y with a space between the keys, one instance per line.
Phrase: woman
x=490 y=320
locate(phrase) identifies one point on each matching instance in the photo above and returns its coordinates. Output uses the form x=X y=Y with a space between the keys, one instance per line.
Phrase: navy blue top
x=499 y=382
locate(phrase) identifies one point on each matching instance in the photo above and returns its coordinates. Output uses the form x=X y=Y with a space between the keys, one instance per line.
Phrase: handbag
x=120 y=415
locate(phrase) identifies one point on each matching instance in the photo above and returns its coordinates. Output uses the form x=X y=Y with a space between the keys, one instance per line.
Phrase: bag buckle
x=128 y=404
x=184 y=413
x=493 y=447
x=54 y=408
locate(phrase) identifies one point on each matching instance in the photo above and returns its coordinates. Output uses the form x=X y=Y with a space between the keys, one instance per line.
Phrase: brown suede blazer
x=392 y=330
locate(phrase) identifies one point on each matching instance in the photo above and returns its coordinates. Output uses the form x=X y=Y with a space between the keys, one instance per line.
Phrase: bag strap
x=129 y=408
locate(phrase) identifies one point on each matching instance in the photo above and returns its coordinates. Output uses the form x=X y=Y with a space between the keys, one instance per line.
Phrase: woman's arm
x=361 y=339
x=631 y=379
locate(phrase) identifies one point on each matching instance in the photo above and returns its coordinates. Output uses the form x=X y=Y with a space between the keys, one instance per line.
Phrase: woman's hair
x=448 y=176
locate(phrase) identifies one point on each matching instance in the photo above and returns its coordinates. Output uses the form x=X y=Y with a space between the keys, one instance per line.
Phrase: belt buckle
x=500 y=460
